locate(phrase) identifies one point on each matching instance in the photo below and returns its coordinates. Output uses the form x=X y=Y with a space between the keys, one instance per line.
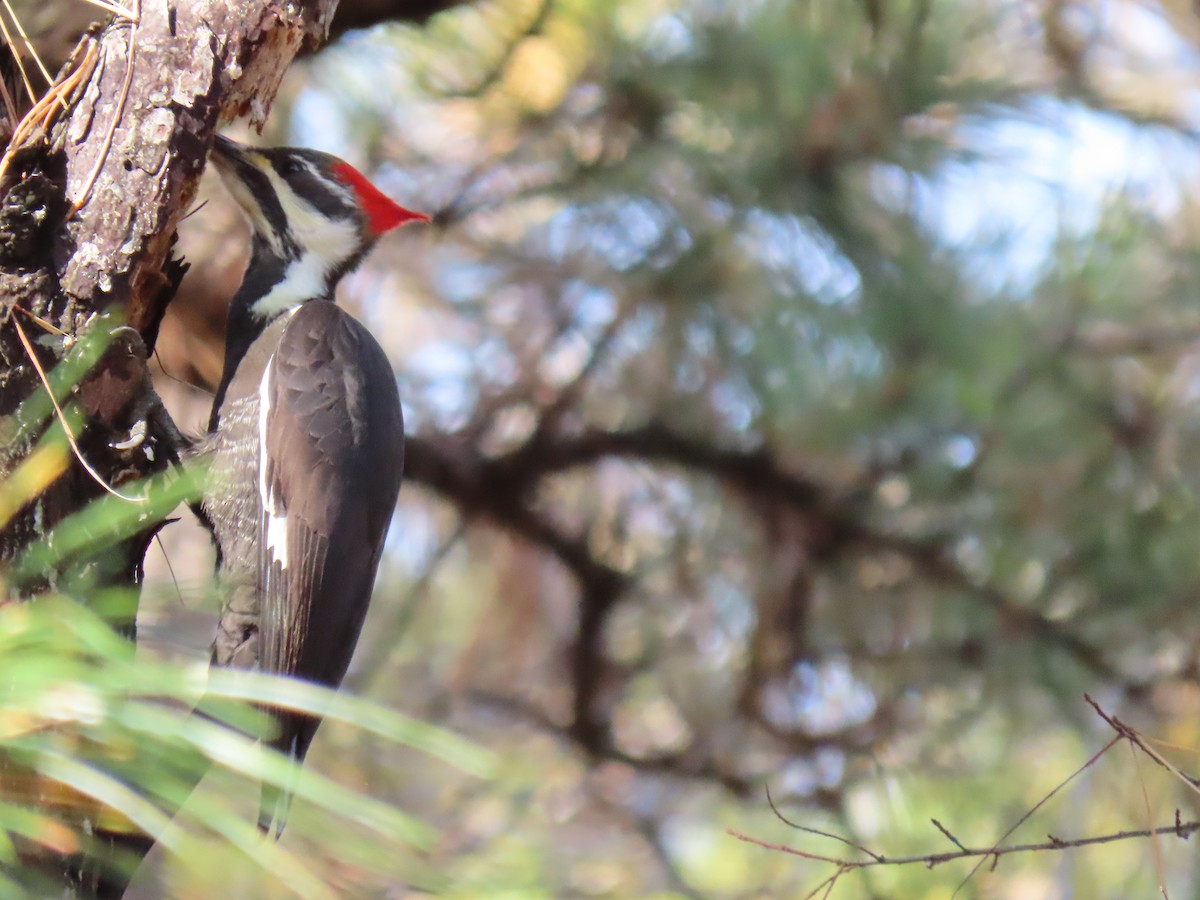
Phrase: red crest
x=383 y=213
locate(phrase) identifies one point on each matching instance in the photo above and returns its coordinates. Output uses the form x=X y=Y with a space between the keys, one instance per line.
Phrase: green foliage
x=97 y=740
x=911 y=288
x=934 y=259
x=81 y=711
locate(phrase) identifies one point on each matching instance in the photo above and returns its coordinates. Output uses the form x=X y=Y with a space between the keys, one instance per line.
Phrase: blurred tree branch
x=502 y=489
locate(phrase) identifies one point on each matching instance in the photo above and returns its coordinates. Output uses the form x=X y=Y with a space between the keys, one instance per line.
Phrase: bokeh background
x=804 y=398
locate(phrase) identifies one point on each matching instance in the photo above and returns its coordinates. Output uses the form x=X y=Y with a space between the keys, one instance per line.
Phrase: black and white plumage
x=306 y=436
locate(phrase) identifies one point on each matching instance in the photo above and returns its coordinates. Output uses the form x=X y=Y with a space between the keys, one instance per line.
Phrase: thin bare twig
x=818 y=832
x=1033 y=809
x=1135 y=737
x=170 y=568
x=946 y=831
x=1182 y=830
x=1053 y=842
x=828 y=884
x=195 y=209
x=1159 y=867
x=180 y=381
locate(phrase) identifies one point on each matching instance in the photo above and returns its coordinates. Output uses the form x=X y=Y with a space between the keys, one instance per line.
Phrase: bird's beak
x=244 y=172
x=230 y=157
x=224 y=147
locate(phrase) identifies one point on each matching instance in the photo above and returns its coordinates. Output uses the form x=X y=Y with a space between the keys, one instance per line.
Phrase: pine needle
x=62 y=418
x=28 y=44
x=17 y=58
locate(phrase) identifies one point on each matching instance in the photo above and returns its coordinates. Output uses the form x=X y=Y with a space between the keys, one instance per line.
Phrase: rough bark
x=108 y=179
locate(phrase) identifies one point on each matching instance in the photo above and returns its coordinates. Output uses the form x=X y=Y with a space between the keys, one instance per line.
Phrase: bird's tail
x=276 y=802
x=273 y=810
x=296 y=732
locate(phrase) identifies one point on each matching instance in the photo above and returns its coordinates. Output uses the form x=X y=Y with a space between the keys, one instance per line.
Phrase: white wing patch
x=277 y=525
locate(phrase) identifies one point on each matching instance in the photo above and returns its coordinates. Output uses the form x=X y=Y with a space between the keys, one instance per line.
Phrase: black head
x=313 y=213
x=314 y=216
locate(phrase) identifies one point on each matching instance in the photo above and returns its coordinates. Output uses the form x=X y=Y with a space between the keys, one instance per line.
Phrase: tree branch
x=837 y=526
x=1182 y=830
x=1123 y=731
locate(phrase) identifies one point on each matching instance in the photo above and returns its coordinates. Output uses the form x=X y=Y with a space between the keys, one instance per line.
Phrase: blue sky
x=1051 y=172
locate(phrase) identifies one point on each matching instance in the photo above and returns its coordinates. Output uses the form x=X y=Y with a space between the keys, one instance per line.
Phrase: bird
x=305 y=441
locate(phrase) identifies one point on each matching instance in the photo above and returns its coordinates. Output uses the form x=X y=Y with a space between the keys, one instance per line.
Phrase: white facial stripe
x=251 y=210
x=333 y=184
x=309 y=227
x=277 y=531
x=324 y=243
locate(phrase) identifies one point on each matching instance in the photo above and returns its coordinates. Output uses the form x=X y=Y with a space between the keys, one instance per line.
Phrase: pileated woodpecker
x=305 y=437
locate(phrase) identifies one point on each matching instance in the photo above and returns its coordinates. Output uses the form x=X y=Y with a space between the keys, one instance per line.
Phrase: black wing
x=334 y=442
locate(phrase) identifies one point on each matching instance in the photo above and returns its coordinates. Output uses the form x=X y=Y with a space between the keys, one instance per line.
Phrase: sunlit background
x=804 y=399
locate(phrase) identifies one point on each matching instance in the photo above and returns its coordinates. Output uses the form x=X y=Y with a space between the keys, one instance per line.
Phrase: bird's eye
x=289 y=166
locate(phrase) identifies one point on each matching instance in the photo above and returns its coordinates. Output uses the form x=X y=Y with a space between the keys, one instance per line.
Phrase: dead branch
x=1182 y=830
x=1124 y=733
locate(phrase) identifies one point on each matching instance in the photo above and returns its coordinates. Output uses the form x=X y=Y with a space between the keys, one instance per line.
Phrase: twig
x=1135 y=737
x=1179 y=828
x=825 y=834
x=1033 y=809
x=170 y=568
x=946 y=831
x=1154 y=842
x=195 y=209
x=182 y=381
x=828 y=884
x=1183 y=830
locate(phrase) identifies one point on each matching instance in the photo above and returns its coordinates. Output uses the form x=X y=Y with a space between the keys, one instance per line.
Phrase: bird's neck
x=272 y=287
